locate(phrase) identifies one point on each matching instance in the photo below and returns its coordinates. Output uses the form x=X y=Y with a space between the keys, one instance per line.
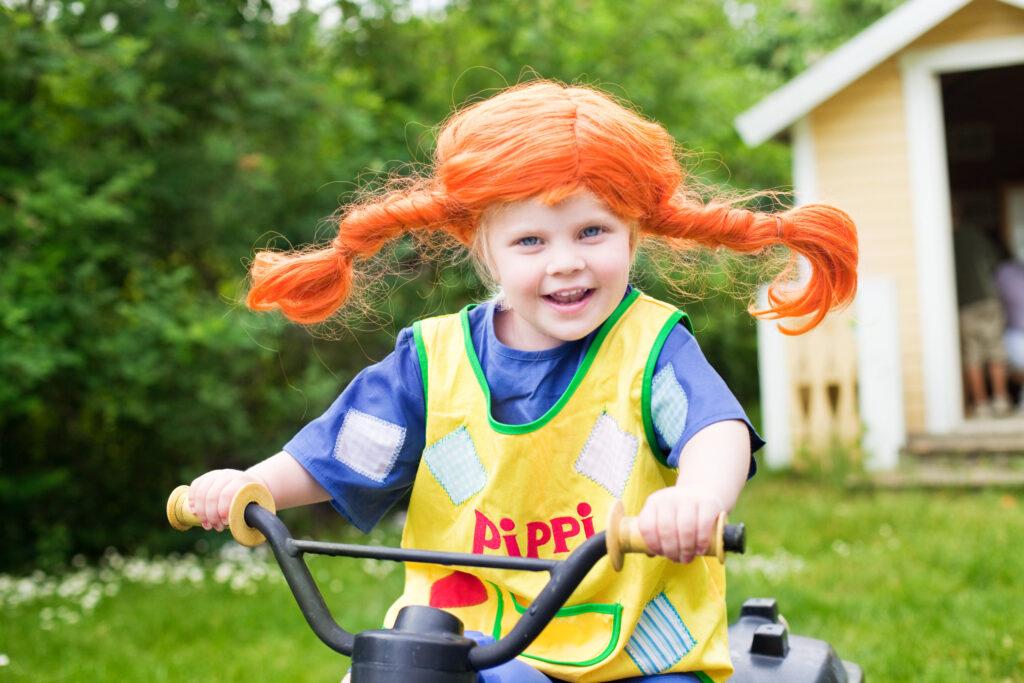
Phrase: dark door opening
x=984 y=120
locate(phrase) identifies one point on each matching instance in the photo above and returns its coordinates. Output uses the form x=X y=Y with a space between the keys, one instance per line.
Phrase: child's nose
x=565 y=262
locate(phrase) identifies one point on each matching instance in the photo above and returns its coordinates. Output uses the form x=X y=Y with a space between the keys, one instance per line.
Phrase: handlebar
x=251 y=524
x=181 y=517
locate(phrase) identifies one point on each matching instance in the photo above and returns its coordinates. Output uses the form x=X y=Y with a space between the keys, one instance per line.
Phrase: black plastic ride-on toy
x=427 y=645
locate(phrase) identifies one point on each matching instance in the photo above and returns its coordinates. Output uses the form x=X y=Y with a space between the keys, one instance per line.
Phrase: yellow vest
x=542 y=488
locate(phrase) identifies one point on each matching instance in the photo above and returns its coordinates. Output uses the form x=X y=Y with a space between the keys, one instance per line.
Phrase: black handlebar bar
x=566 y=575
x=564 y=580
x=296 y=573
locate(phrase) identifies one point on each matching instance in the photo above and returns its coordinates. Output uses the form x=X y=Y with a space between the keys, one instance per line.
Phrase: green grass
x=914 y=586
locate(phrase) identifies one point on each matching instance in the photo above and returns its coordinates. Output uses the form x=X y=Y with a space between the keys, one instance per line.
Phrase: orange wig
x=548 y=140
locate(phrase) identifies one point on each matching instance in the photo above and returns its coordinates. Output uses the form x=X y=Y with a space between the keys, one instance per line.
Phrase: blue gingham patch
x=368 y=444
x=456 y=466
x=669 y=405
x=608 y=456
x=660 y=638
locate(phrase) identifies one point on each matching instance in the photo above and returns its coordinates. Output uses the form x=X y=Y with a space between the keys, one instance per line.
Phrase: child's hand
x=210 y=495
x=678 y=523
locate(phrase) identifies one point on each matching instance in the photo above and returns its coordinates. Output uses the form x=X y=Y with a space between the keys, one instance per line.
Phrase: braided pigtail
x=309 y=285
x=824 y=235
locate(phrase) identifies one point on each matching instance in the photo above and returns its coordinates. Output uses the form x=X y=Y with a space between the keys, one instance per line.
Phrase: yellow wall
x=862 y=166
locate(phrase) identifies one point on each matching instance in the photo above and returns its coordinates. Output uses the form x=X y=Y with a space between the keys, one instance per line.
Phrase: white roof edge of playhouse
x=869 y=48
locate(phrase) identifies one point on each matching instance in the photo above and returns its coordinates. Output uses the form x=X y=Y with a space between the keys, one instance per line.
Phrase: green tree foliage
x=141 y=165
x=147 y=148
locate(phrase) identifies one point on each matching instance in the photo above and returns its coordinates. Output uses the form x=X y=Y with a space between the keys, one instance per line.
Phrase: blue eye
x=528 y=241
x=592 y=231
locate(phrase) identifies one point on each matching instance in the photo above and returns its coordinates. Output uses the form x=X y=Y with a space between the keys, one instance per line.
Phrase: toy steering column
x=181 y=517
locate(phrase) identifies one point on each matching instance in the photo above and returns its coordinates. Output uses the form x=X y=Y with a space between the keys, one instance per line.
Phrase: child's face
x=563 y=268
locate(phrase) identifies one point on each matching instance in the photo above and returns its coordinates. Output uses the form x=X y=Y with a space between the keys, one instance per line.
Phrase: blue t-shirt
x=382 y=410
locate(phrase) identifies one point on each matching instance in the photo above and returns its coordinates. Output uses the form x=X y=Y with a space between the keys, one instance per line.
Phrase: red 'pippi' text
x=557 y=531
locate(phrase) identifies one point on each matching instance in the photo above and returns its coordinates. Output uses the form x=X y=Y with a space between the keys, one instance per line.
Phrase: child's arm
x=678 y=521
x=289 y=483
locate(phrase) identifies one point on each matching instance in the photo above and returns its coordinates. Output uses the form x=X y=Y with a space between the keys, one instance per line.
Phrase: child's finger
x=685 y=521
x=213 y=515
x=707 y=515
x=197 y=497
x=649 y=527
x=209 y=501
x=668 y=533
x=227 y=494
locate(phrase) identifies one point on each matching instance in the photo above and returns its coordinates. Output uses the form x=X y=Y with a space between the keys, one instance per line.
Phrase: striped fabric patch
x=669 y=405
x=660 y=638
x=608 y=456
x=368 y=444
x=456 y=466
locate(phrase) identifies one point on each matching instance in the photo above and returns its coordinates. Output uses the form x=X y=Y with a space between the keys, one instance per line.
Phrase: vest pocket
x=590 y=631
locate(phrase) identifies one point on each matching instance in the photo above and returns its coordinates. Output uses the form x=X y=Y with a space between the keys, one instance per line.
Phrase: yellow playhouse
x=922 y=109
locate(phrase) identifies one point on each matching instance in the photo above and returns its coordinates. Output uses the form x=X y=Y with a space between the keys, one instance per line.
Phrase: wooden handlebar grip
x=181 y=517
x=179 y=514
x=623 y=536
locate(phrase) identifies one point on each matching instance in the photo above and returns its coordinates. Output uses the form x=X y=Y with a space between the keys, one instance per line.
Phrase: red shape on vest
x=458 y=589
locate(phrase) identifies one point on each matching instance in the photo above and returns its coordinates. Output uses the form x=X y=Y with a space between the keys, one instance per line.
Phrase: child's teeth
x=569 y=297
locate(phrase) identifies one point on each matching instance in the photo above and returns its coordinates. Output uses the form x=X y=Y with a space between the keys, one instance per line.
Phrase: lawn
x=914 y=586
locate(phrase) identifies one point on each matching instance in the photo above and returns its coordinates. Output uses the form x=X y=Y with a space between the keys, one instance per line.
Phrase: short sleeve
x=687 y=395
x=365 y=449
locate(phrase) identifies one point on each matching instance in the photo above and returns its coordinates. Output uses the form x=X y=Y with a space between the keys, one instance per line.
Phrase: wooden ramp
x=983 y=453
x=977 y=437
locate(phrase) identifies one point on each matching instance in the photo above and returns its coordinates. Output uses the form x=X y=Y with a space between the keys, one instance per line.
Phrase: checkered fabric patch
x=608 y=456
x=660 y=638
x=455 y=464
x=368 y=444
x=669 y=405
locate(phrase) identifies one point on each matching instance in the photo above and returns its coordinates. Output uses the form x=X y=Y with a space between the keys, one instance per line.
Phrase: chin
x=576 y=333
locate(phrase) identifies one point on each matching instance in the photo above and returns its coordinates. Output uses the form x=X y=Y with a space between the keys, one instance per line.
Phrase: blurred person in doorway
x=981 y=318
x=1010 y=285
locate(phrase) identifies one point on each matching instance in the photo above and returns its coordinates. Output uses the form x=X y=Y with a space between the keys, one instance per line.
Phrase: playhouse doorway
x=982 y=111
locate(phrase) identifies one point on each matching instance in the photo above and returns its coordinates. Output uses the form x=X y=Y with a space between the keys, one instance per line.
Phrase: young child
x=519 y=422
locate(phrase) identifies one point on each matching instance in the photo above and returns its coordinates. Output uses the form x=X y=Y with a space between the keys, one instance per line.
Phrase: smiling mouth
x=569 y=296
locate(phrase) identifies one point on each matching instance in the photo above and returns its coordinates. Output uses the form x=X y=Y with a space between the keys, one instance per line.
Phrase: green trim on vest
x=703 y=676
x=614 y=609
x=421 y=351
x=581 y=371
x=645 y=400
x=499 y=611
x=688 y=324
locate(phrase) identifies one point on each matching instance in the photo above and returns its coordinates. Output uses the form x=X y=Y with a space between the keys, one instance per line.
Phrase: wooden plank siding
x=861 y=159
x=977 y=21
x=862 y=166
